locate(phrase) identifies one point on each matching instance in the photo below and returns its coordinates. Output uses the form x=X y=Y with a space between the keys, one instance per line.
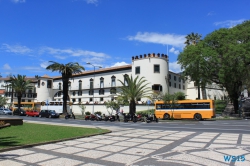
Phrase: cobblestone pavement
x=137 y=147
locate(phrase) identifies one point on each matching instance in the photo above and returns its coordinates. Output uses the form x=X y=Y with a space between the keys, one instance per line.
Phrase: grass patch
x=30 y=133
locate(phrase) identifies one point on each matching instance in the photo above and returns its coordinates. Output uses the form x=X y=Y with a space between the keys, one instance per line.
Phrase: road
x=164 y=143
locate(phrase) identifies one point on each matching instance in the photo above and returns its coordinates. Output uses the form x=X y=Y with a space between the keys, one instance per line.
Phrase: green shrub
x=87 y=113
x=220 y=106
x=146 y=112
x=98 y=112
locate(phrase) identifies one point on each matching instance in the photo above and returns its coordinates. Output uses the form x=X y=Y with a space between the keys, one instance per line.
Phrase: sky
x=106 y=33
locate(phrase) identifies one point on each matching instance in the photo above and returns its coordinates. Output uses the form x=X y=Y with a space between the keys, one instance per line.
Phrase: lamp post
x=93 y=110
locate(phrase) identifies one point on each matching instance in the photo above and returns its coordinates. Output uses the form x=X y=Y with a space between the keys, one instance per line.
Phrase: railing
x=24 y=95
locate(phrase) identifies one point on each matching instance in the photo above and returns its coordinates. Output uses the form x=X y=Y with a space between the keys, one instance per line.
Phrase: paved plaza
x=137 y=147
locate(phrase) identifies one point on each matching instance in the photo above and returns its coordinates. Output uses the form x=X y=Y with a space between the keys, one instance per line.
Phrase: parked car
x=48 y=114
x=5 y=111
x=32 y=113
x=19 y=112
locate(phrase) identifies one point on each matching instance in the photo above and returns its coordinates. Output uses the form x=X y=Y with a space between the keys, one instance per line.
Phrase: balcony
x=24 y=95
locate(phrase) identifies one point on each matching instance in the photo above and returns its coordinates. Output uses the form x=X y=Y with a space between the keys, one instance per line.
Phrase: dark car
x=19 y=112
x=48 y=114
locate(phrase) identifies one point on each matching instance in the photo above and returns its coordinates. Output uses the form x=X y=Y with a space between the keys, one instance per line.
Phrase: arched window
x=69 y=84
x=91 y=83
x=101 y=82
x=80 y=85
x=60 y=86
x=125 y=80
x=113 y=81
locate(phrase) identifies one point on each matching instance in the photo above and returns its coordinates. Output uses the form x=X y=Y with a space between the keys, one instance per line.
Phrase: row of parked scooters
x=122 y=117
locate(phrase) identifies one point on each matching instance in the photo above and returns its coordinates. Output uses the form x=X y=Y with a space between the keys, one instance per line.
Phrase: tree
x=134 y=89
x=3 y=101
x=192 y=40
x=112 y=105
x=19 y=84
x=170 y=101
x=224 y=58
x=180 y=96
x=67 y=71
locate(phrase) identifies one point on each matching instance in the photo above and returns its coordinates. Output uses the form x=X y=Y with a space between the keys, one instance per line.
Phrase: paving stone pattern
x=136 y=147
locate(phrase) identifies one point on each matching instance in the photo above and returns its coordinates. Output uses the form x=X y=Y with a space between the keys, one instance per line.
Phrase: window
x=179 y=86
x=183 y=87
x=29 y=100
x=74 y=93
x=137 y=70
x=91 y=92
x=60 y=86
x=169 y=83
x=80 y=93
x=113 y=91
x=73 y=100
x=175 y=85
x=157 y=87
x=79 y=100
x=101 y=92
x=179 y=79
x=59 y=94
x=69 y=84
x=49 y=83
x=101 y=82
x=23 y=100
x=156 y=68
x=80 y=85
x=113 y=81
x=175 y=78
x=91 y=83
x=125 y=80
x=101 y=99
x=90 y=99
x=183 y=80
x=169 y=76
x=38 y=83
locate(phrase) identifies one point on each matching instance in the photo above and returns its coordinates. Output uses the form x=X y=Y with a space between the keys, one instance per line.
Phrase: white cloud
x=229 y=23
x=95 y=2
x=211 y=13
x=71 y=52
x=174 y=67
x=17 y=49
x=18 y=1
x=60 y=57
x=157 y=38
x=44 y=64
x=173 y=50
x=6 y=66
x=119 y=64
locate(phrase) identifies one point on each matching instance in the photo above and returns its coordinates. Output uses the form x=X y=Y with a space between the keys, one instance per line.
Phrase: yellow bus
x=185 y=109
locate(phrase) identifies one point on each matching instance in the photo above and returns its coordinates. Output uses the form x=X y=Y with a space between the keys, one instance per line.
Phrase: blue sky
x=104 y=32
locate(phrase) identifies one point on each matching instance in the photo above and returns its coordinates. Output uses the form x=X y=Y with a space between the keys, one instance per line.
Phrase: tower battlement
x=153 y=55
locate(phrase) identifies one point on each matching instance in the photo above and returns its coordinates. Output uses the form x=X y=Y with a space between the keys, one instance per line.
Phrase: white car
x=5 y=111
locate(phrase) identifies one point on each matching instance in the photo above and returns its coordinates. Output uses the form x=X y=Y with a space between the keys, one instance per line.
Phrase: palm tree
x=19 y=84
x=193 y=39
x=134 y=89
x=67 y=71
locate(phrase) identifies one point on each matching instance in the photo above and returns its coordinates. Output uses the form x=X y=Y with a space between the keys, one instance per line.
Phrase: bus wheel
x=166 y=116
x=197 y=116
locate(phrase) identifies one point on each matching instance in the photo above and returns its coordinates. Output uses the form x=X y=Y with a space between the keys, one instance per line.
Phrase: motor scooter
x=67 y=116
x=151 y=118
x=130 y=117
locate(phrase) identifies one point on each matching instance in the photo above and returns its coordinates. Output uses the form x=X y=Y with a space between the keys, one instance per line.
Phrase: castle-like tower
x=154 y=67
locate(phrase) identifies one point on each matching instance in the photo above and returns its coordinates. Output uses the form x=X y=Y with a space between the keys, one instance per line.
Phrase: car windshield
x=52 y=111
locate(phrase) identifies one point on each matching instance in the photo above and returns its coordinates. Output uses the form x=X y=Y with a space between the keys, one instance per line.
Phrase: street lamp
x=93 y=86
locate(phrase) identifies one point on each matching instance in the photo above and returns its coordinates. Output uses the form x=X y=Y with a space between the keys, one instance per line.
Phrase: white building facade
x=93 y=88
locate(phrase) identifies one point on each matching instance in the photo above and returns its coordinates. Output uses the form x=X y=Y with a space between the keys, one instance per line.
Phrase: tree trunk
x=65 y=94
x=199 y=94
x=19 y=97
x=132 y=107
x=236 y=105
